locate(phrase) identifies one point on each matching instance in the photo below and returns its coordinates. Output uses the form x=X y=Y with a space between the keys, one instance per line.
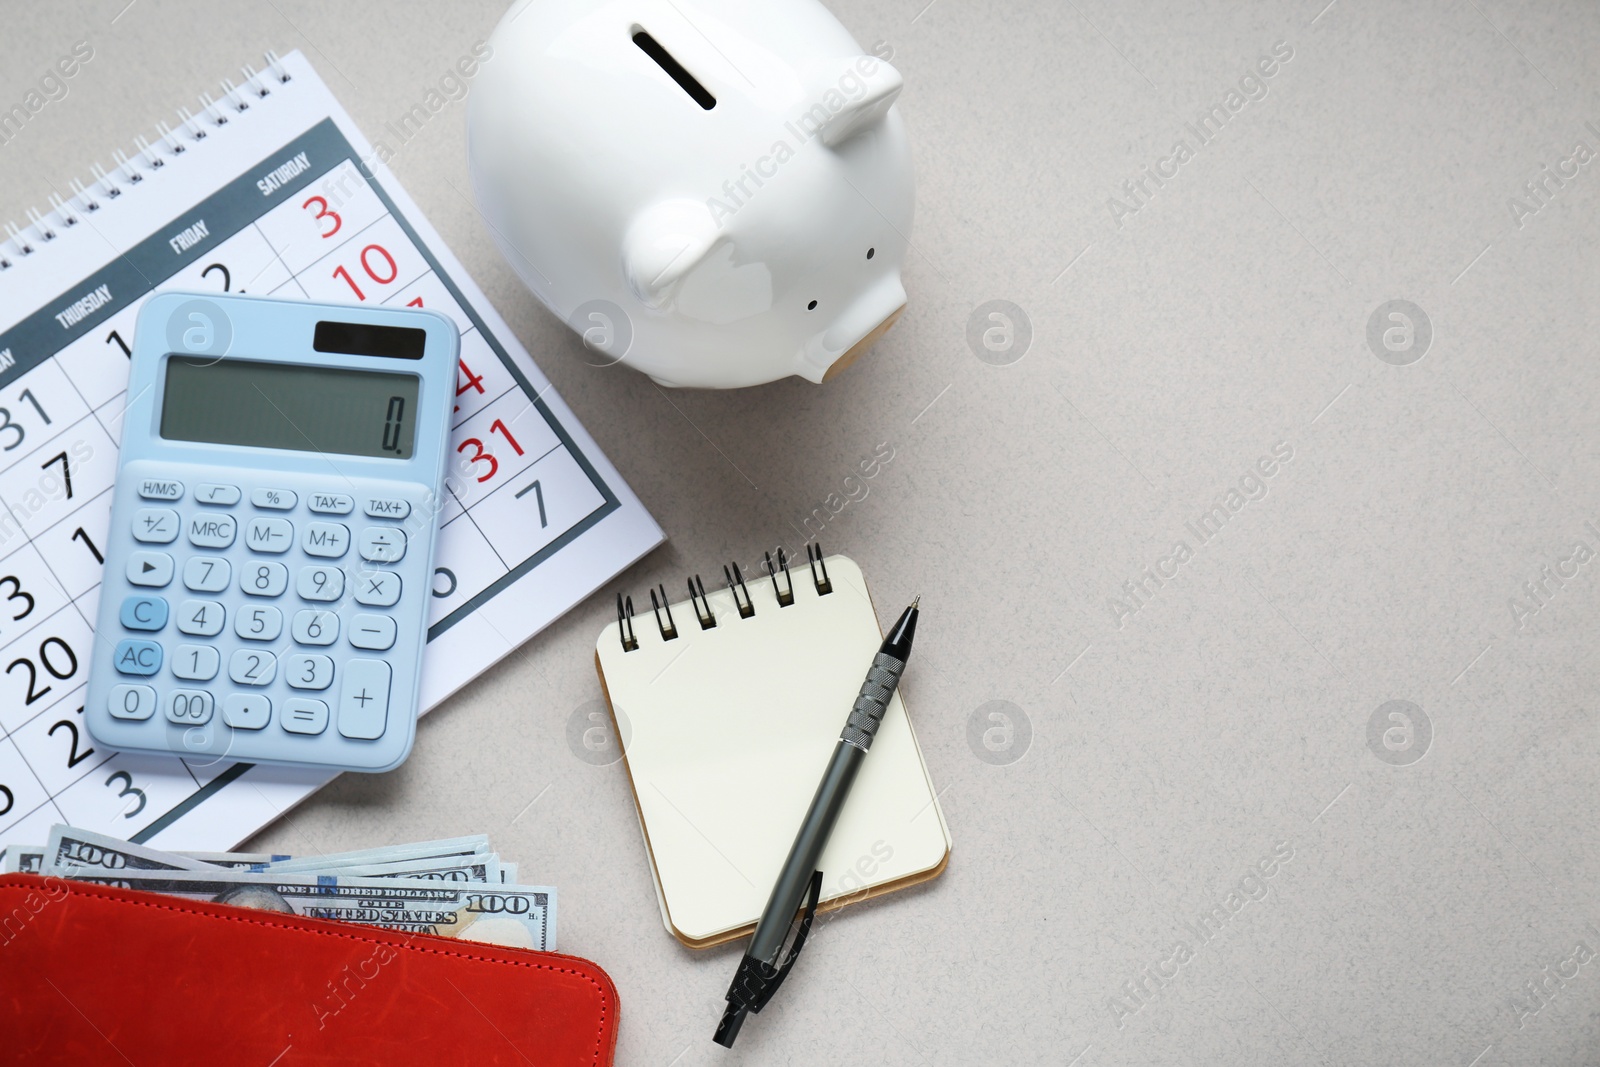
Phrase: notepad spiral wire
x=662 y=609
x=149 y=158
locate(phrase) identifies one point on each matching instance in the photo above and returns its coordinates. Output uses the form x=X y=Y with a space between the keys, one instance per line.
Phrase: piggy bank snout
x=858 y=326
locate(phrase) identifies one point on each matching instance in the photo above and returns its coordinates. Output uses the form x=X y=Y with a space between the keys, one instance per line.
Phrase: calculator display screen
x=290 y=406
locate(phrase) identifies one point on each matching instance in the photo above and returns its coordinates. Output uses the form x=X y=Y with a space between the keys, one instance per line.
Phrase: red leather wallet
x=91 y=974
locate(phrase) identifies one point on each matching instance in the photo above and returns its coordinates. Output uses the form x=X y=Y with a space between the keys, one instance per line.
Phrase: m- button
x=269 y=535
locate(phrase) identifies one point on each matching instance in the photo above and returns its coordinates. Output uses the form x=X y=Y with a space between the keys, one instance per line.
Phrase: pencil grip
x=873 y=701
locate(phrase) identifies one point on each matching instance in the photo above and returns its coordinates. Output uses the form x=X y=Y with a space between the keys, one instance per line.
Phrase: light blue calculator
x=272 y=532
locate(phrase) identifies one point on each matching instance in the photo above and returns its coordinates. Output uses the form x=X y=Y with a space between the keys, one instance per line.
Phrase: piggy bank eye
x=871 y=252
x=811 y=306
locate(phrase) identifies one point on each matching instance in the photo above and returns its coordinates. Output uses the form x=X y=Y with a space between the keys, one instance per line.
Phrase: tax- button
x=330 y=503
x=221 y=495
x=269 y=535
x=329 y=540
x=383 y=544
x=364 y=699
x=153 y=569
x=138 y=658
x=155 y=526
x=144 y=613
x=212 y=532
x=131 y=702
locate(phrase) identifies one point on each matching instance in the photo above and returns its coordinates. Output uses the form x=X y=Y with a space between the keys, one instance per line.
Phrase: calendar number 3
x=324 y=213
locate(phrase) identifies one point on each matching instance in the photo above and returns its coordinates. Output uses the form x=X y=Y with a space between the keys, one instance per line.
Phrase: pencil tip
x=915 y=601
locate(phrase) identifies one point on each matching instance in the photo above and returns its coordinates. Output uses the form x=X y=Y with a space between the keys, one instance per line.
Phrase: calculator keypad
x=275 y=608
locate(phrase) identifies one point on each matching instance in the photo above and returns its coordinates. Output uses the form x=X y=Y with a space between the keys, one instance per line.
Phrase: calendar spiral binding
x=149 y=157
x=662 y=610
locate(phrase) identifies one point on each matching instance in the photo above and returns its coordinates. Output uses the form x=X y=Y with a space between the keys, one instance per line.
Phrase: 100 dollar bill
x=515 y=916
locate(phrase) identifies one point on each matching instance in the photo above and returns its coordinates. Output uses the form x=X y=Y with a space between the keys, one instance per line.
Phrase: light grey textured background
x=1229 y=715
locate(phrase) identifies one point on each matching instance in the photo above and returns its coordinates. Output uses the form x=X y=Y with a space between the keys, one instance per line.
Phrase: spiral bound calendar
x=269 y=190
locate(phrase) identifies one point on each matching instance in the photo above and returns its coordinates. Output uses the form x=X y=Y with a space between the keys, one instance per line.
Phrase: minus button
x=372 y=632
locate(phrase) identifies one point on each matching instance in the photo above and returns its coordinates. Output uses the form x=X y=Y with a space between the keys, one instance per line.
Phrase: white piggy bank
x=717 y=192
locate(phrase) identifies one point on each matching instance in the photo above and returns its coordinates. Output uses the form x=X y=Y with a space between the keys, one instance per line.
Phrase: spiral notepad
x=729 y=705
x=267 y=189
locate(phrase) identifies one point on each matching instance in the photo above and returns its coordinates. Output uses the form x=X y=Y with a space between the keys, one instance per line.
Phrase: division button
x=161 y=489
x=372 y=632
x=223 y=496
x=155 y=526
x=143 y=613
x=364 y=699
x=153 y=569
x=383 y=544
x=212 y=531
x=138 y=658
x=246 y=711
x=304 y=716
x=131 y=702
x=272 y=500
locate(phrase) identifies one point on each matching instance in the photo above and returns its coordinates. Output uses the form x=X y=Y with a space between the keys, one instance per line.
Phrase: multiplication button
x=271 y=500
x=155 y=526
x=379 y=589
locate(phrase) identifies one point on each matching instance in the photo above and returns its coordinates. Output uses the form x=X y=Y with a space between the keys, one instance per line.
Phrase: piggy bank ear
x=663 y=243
x=862 y=109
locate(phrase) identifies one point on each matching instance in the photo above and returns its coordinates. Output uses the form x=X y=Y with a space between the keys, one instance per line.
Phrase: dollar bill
x=235 y=860
x=508 y=873
x=484 y=868
x=418 y=850
x=23 y=859
x=70 y=847
x=516 y=916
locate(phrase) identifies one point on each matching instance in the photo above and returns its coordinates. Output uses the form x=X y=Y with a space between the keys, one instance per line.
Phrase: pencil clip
x=630 y=642
x=669 y=629
x=747 y=607
x=814 y=557
x=785 y=596
x=702 y=604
